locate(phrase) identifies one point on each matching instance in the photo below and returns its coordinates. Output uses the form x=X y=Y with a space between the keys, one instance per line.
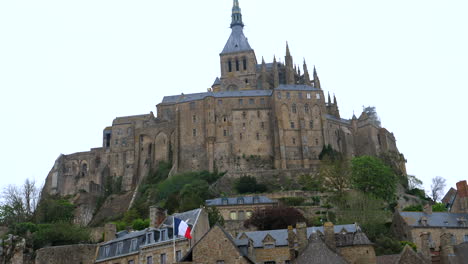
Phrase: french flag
x=181 y=228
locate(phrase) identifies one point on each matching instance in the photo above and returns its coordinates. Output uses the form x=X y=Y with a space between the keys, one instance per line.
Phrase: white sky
x=68 y=68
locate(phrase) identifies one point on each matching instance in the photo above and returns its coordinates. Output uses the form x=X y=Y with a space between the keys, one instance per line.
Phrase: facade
x=431 y=231
x=241 y=207
x=155 y=244
x=256 y=116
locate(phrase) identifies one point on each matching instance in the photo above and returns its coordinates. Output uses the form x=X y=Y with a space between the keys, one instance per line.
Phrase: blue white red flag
x=181 y=228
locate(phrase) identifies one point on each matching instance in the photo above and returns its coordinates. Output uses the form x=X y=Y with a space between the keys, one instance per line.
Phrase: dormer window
x=107 y=251
x=119 y=249
x=163 y=235
x=133 y=244
x=240 y=200
x=269 y=245
x=256 y=200
x=225 y=201
x=149 y=238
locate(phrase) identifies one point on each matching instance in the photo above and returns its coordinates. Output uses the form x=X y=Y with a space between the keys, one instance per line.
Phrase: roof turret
x=237 y=42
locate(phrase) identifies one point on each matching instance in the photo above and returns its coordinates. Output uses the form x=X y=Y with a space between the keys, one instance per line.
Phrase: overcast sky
x=68 y=68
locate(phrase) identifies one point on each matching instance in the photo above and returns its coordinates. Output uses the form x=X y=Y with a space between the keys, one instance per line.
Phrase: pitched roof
x=436 y=219
x=235 y=200
x=317 y=252
x=183 y=98
x=237 y=42
x=281 y=235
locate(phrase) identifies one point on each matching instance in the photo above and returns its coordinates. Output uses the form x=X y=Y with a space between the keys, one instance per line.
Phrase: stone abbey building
x=256 y=116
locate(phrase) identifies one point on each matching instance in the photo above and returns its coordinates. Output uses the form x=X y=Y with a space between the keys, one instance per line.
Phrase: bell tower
x=238 y=61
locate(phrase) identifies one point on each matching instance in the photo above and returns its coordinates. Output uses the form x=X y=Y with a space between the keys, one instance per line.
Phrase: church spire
x=236 y=15
x=275 y=73
x=306 y=74
x=316 y=80
x=290 y=79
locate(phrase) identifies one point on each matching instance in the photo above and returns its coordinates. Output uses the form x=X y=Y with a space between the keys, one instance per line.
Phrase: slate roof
x=217 y=81
x=435 y=219
x=235 y=200
x=296 y=87
x=330 y=117
x=388 y=259
x=200 y=96
x=237 y=42
x=281 y=235
x=317 y=252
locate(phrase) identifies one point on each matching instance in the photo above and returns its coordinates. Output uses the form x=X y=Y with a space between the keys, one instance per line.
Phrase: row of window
x=299 y=95
x=311 y=124
x=237 y=64
x=241 y=101
x=240 y=215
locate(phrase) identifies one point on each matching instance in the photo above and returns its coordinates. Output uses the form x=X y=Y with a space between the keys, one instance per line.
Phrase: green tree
x=372 y=176
x=215 y=217
x=140 y=224
x=366 y=210
x=439 y=207
x=54 y=209
x=335 y=174
x=275 y=218
x=60 y=233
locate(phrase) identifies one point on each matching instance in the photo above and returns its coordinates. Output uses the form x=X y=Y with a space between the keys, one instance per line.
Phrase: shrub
x=53 y=209
x=140 y=224
x=248 y=184
x=292 y=201
x=274 y=218
x=61 y=233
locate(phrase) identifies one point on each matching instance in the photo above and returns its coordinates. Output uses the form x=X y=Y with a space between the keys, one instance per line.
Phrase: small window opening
x=294 y=141
x=245 y=63
x=241 y=101
x=292 y=125
x=244 y=115
x=262 y=125
x=258 y=136
x=237 y=65
x=229 y=66
x=294 y=108
x=194 y=132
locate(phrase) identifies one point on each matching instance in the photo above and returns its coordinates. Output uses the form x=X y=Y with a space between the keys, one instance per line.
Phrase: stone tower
x=238 y=61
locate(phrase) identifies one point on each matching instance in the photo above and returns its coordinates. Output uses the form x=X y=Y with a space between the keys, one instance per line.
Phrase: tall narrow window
x=292 y=125
x=258 y=114
x=306 y=108
x=194 y=118
x=294 y=108
x=149 y=260
x=240 y=136
x=220 y=102
x=194 y=132
x=311 y=124
x=288 y=95
x=163 y=258
x=241 y=101
x=308 y=96
x=229 y=66
x=245 y=63
x=225 y=132
x=237 y=65
x=262 y=125
x=251 y=101
x=294 y=141
x=258 y=136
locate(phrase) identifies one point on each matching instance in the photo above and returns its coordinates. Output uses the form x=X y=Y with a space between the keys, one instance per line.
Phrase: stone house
x=257 y=116
x=235 y=210
x=155 y=244
x=429 y=230
x=218 y=246
x=407 y=256
x=283 y=245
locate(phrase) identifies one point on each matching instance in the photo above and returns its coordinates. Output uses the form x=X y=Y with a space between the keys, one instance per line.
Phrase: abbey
x=256 y=116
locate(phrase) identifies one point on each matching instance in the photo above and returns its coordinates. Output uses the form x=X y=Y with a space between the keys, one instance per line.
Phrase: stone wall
x=77 y=254
x=358 y=254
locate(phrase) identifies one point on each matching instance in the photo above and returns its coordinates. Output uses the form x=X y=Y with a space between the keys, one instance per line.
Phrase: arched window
x=294 y=108
x=245 y=63
x=233 y=215
x=229 y=65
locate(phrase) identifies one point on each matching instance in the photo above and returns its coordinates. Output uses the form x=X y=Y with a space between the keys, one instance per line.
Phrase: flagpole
x=173 y=236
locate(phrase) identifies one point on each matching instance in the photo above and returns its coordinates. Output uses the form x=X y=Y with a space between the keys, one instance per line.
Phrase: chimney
x=446 y=246
x=109 y=232
x=301 y=232
x=462 y=193
x=329 y=231
x=425 y=249
x=428 y=209
x=157 y=216
x=291 y=239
